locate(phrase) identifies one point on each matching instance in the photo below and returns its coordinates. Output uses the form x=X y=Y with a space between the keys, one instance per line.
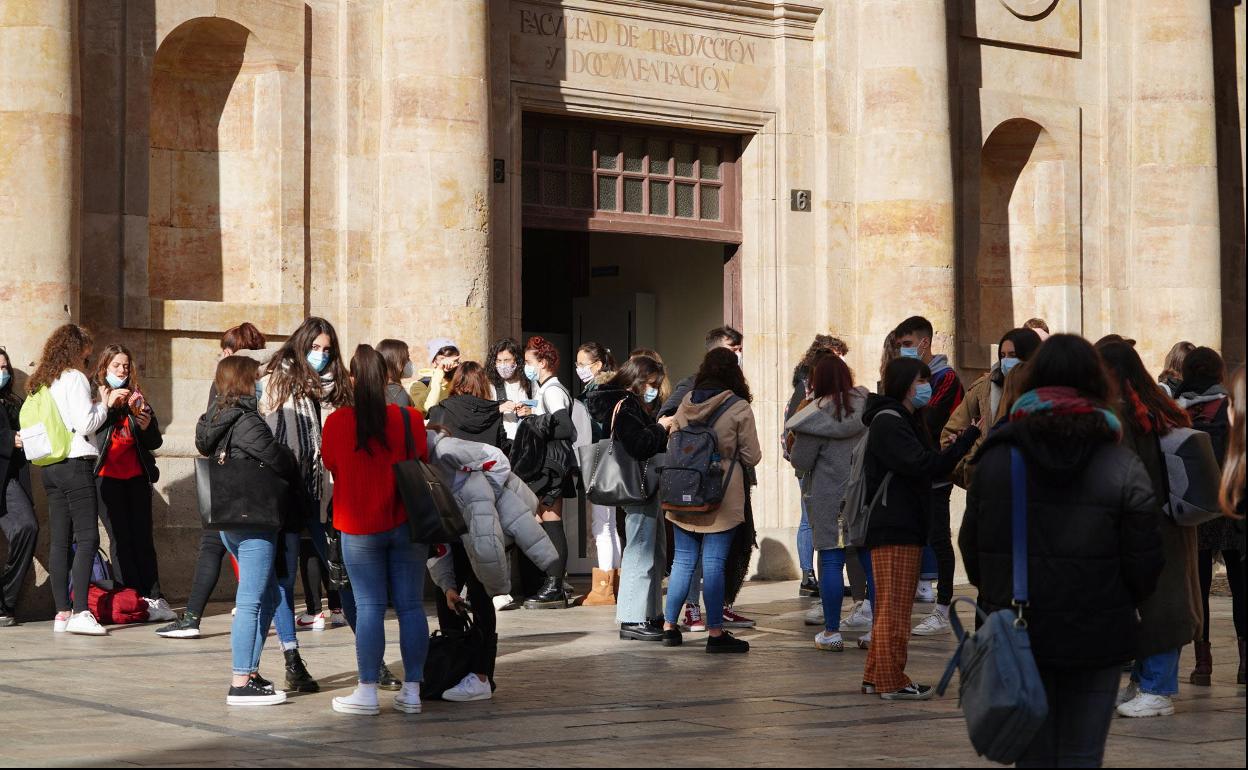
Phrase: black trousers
x=207 y=572
x=73 y=517
x=940 y=538
x=1081 y=708
x=21 y=531
x=483 y=614
x=315 y=578
x=127 y=516
x=1234 y=576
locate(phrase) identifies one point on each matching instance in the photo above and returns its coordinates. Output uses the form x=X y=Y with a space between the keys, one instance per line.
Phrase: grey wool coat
x=822 y=446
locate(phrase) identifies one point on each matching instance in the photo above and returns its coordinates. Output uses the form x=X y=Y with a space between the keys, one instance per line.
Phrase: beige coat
x=738 y=437
x=977 y=403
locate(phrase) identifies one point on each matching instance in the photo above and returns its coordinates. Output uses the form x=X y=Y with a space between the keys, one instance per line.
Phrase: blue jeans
x=713 y=549
x=641 y=565
x=805 y=541
x=1158 y=674
x=284 y=618
x=832 y=583
x=257 y=596
x=388 y=567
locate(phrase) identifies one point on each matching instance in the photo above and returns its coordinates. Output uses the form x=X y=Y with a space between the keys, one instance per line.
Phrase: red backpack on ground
x=116 y=607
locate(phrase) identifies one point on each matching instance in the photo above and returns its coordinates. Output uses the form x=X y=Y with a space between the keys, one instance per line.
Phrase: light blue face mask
x=318 y=360
x=5 y=377
x=909 y=352
x=259 y=390
x=116 y=382
x=530 y=371
x=650 y=395
x=1009 y=363
x=922 y=395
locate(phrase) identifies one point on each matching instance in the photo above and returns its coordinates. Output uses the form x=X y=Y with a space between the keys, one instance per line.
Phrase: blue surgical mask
x=5 y=377
x=116 y=382
x=650 y=395
x=922 y=395
x=259 y=390
x=531 y=372
x=318 y=360
x=909 y=352
x=1009 y=363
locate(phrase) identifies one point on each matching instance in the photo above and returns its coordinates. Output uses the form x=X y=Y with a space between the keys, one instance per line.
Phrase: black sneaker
x=297 y=677
x=252 y=694
x=641 y=632
x=810 y=585
x=386 y=680
x=673 y=638
x=911 y=691
x=726 y=643
x=265 y=683
x=185 y=627
x=551 y=597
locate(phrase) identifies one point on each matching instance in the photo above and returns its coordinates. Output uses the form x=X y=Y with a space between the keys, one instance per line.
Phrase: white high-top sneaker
x=814 y=616
x=860 y=616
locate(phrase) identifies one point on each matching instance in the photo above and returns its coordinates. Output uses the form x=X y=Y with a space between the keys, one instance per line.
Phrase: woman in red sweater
x=360 y=446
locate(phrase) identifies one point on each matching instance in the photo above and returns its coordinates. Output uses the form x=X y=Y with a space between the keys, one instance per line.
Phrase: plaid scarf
x=1066 y=401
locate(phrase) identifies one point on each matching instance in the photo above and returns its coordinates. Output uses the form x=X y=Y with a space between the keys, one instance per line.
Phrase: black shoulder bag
x=433 y=516
x=240 y=493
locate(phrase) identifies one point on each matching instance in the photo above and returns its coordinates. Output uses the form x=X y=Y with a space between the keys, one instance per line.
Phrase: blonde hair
x=1233 y=468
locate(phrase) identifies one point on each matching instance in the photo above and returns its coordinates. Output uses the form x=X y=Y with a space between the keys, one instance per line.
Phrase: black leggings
x=207 y=572
x=483 y=614
x=315 y=577
x=1234 y=576
x=73 y=517
x=127 y=517
x=21 y=530
x=940 y=538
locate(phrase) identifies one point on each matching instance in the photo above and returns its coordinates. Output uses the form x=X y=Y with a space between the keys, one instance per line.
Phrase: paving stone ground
x=570 y=694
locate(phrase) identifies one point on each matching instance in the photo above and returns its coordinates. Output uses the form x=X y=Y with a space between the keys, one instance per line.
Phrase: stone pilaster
x=1174 y=258
x=904 y=178
x=433 y=256
x=39 y=189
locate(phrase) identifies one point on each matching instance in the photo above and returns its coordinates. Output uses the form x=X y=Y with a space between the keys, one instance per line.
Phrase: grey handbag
x=612 y=477
x=1001 y=693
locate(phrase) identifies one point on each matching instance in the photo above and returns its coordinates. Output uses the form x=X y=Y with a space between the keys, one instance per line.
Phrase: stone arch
x=214 y=192
x=1025 y=263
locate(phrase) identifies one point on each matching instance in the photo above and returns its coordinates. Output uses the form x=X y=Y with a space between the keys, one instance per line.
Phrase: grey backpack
x=855 y=507
x=694 y=480
x=1192 y=479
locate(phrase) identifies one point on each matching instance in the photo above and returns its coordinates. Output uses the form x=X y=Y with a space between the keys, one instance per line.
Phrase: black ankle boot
x=297 y=677
x=550 y=597
x=387 y=680
x=810 y=585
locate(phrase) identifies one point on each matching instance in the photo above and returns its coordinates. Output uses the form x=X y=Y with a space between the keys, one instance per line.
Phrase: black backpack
x=528 y=453
x=693 y=479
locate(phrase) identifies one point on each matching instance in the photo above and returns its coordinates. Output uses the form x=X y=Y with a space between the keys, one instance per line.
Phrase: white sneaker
x=84 y=623
x=864 y=641
x=60 y=622
x=925 y=594
x=470 y=688
x=1127 y=693
x=408 y=700
x=337 y=618
x=814 y=615
x=860 y=616
x=829 y=642
x=501 y=601
x=932 y=625
x=306 y=622
x=1145 y=705
x=159 y=611
x=360 y=703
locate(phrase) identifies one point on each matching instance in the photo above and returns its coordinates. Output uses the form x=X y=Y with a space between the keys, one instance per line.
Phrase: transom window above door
x=629 y=178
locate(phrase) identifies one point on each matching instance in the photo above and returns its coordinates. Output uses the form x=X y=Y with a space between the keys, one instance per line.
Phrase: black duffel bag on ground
x=451 y=652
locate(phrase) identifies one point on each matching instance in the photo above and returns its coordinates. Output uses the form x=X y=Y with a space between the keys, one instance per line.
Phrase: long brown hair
x=245 y=336
x=470 y=379
x=833 y=380
x=63 y=351
x=665 y=387
x=1144 y=404
x=368 y=369
x=1173 y=368
x=236 y=378
x=720 y=368
x=396 y=354
x=290 y=374
x=106 y=358
x=1234 y=466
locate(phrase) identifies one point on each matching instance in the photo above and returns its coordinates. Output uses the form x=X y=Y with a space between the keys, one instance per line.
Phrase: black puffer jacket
x=634 y=427
x=1092 y=535
x=13 y=463
x=470 y=418
x=145 y=441
x=249 y=436
x=903 y=445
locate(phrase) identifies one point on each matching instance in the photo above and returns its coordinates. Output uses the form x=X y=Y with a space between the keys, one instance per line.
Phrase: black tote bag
x=240 y=493
x=433 y=516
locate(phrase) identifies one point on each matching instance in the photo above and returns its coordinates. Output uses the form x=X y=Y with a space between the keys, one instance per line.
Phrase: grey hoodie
x=822 y=445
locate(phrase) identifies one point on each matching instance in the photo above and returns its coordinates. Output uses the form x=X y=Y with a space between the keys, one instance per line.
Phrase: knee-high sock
x=554 y=530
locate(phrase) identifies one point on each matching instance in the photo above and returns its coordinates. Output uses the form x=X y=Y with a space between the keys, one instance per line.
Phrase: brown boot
x=1240 y=679
x=1203 y=672
x=602 y=592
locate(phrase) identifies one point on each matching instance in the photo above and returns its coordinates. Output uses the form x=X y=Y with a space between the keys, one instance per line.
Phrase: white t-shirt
x=551 y=397
x=81 y=413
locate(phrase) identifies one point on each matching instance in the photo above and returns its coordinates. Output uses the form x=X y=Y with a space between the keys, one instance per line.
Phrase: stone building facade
x=475 y=168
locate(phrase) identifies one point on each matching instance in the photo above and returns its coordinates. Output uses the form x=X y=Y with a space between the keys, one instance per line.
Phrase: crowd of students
x=1116 y=580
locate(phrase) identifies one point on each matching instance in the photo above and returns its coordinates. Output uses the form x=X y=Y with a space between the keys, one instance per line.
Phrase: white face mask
x=585 y=373
x=506 y=371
